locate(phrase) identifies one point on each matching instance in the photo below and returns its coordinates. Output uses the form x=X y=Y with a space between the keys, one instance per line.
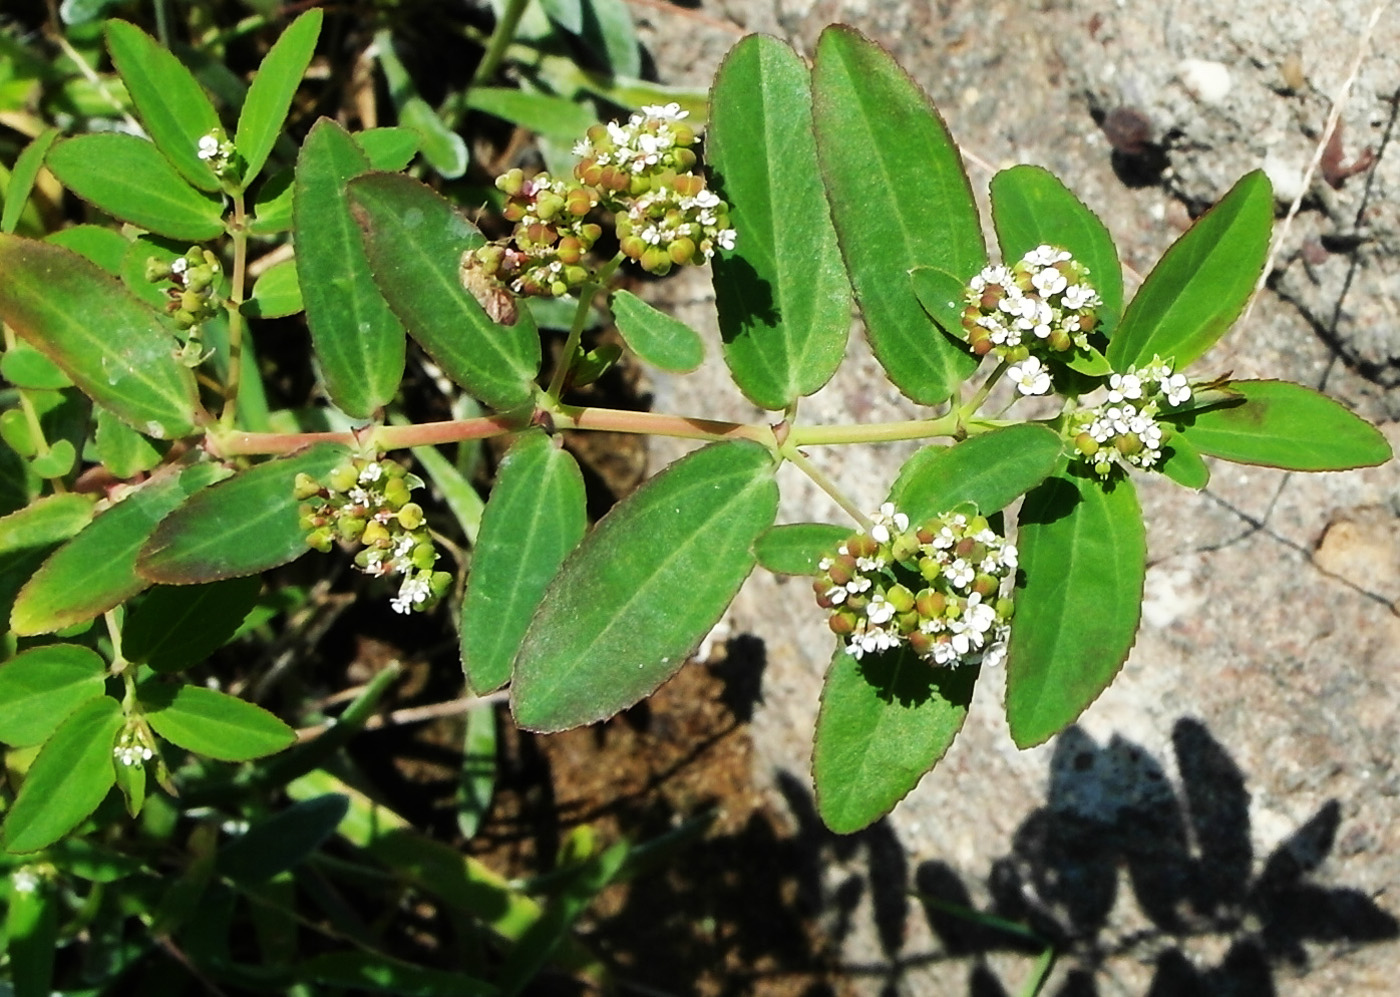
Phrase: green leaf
x=1202 y=282
x=29 y=533
x=270 y=94
x=796 y=548
x=444 y=149
x=636 y=597
x=131 y=783
x=477 y=781
x=31 y=937
x=559 y=118
x=884 y=721
x=415 y=241
x=68 y=779
x=941 y=295
x=57 y=462
x=113 y=347
x=40 y=687
x=96 y=243
x=990 y=471
x=272 y=205
x=276 y=292
x=900 y=199
x=96 y=570
x=121 y=449
x=1083 y=553
x=358 y=971
x=23 y=176
x=656 y=337
x=172 y=106
x=388 y=149
x=284 y=840
x=782 y=296
x=25 y=367
x=174 y=628
x=608 y=29
x=1285 y=425
x=1031 y=208
x=535 y=516
x=358 y=340
x=246 y=525
x=1183 y=464
x=456 y=490
x=128 y=178
x=212 y=723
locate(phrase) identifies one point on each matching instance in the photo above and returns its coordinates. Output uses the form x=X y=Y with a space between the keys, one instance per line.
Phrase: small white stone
x=1206 y=80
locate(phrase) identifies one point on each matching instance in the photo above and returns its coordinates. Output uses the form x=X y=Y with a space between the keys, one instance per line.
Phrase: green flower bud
x=930 y=604
x=1128 y=444
x=985 y=585
x=633 y=247
x=424 y=556
x=440 y=583
x=682 y=251
x=305 y=487
x=156 y=270
x=375 y=534
x=1086 y=444
x=905 y=548
x=900 y=598
x=396 y=493
x=343 y=478
x=930 y=569
x=511 y=182
x=862 y=545
x=655 y=260
x=1060 y=341
x=842 y=622
x=321 y=540
x=1103 y=468
x=843 y=569
x=922 y=643
x=411 y=516
x=350 y=528
x=1005 y=607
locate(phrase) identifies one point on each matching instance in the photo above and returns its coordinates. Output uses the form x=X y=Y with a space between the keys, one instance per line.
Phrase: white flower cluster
x=25 y=879
x=936 y=588
x=667 y=217
x=216 y=150
x=368 y=501
x=648 y=140
x=1124 y=431
x=1042 y=303
x=134 y=746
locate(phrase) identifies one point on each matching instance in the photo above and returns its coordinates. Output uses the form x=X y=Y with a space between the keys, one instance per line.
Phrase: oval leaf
x=1285 y=425
x=782 y=296
x=276 y=293
x=173 y=107
x=1030 y=208
x=121 y=449
x=271 y=92
x=102 y=246
x=26 y=367
x=388 y=149
x=656 y=337
x=941 y=295
x=28 y=534
x=796 y=548
x=247 y=525
x=415 y=240
x=644 y=587
x=1083 y=551
x=211 y=723
x=885 y=720
x=22 y=178
x=113 y=347
x=358 y=340
x=68 y=779
x=900 y=199
x=535 y=516
x=96 y=570
x=175 y=628
x=990 y=471
x=42 y=686
x=559 y=118
x=1202 y=282
x=1183 y=464
x=128 y=178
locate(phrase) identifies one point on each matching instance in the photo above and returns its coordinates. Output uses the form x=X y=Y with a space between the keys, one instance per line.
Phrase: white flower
x=208 y=147
x=1049 y=281
x=1175 y=388
x=880 y=610
x=1079 y=296
x=1030 y=377
x=414 y=591
x=1045 y=256
x=668 y=112
x=24 y=880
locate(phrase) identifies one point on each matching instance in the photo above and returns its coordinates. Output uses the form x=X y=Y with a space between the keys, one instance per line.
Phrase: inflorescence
x=641 y=173
x=1124 y=431
x=368 y=502
x=1041 y=307
x=937 y=588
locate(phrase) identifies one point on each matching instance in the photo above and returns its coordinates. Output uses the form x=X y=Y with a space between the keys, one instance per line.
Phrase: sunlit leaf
x=534 y=517
x=641 y=591
x=22 y=177
x=244 y=526
x=795 y=549
x=128 y=178
x=389 y=149
x=96 y=570
x=113 y=347
x=270 y=94
x=900 y=199
x=276 y=293
x=173 y=107
x=656 y=337
x=783 y=299
x=212 y=723
x=121 y=449
x=40 y=687
x=358 y=340
x=1083 y=555
x=68 y=779
x=557 y=117
x=885 y=720
x=101 y=245
x=1202 y=282
x=991 y=471
x=31 y=937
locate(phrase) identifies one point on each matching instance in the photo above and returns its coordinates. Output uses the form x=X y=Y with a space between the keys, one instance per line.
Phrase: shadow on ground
x=764 y=903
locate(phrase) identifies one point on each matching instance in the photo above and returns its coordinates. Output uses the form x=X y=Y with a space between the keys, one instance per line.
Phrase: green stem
x=975 y=402
x=31 y=416
x=569 y=355
x=501 y=38
x=875 y=432
x=239 y=231
x=822 y=481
